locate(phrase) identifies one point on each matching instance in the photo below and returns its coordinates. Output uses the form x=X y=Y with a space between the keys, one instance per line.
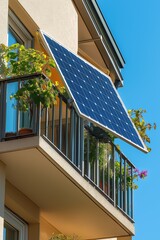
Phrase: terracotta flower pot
x=25 y=131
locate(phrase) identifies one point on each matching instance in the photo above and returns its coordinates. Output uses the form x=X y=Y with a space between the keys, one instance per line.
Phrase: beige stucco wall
x=20 y=204
x=17 y=202
x=46 y=230
x=38 y=227
x=57 y=18
x=3 y=21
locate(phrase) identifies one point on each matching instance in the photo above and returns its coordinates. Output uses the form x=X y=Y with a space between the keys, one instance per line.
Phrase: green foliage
x=99 y=146
x=16 y=60
x=63 y=237
x=104 y=150
x=141 y=125
x=130 y=180
x=37 y=90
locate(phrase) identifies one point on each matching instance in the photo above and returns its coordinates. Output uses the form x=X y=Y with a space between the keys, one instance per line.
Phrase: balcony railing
x=85 y=146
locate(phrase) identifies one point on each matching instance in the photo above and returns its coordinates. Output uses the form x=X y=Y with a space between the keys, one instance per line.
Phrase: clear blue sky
x=135 y=26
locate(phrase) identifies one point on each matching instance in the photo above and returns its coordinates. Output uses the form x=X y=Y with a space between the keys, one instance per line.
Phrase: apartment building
x=52 y=179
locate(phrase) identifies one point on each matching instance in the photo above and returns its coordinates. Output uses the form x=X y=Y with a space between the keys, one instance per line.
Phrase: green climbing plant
x=142 y=126
x=16 y=60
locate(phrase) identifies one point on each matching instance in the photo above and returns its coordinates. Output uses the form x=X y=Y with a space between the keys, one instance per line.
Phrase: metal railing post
x=97 y=162
x=38 y=129
x=53 y=123
x=78 y=142
x=46 y=122
x=72 y=135
x=66 y=132
x=132 y=194
x=82 y=146
x=60 y=123
x=120 y=181
x=114 y=176
x=124 y=193
x=3 y=109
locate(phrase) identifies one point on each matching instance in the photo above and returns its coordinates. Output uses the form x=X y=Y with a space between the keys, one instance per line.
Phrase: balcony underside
x=66 y=199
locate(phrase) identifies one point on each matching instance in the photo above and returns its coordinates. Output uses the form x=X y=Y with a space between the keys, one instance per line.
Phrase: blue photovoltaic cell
x=94 y=94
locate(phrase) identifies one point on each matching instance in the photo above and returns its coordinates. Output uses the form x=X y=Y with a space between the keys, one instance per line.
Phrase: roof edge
x=104 y=30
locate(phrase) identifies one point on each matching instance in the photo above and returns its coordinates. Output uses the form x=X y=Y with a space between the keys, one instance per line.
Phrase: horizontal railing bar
x=35 y=75
x=22 y=77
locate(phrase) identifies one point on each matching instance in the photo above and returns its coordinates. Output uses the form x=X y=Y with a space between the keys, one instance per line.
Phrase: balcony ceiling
x=87 y=35
x=87 y=45
x=66 y=200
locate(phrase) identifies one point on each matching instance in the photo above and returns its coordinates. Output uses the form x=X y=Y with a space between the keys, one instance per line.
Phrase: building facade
x=48 y=183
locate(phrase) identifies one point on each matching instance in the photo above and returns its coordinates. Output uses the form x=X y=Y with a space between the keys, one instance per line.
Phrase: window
x=17 y=33
x=14 y=227
x=10 y=232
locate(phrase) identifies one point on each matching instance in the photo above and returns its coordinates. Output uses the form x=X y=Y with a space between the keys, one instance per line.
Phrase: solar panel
x=94 y=94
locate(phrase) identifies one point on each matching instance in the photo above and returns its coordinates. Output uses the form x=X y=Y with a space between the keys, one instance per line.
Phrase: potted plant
x=105 y=154
x=16 y=60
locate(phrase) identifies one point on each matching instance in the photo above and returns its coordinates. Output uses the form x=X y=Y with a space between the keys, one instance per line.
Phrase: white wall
x=58 y=18
x=3 y=21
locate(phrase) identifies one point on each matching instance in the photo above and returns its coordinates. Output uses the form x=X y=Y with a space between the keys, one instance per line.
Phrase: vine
x=141 y=125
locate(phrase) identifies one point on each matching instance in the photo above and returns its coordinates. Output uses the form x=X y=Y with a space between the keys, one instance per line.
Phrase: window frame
x=19 y=30
x=16 y=222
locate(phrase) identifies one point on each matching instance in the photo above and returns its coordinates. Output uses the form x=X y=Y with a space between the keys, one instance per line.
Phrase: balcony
x=72 y=143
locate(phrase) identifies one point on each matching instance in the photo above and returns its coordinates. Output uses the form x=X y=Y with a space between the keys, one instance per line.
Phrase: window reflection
x=11 y=113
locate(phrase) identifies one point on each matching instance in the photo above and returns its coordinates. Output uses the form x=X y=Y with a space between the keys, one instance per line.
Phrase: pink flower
x=143 y=174
x=136 y=170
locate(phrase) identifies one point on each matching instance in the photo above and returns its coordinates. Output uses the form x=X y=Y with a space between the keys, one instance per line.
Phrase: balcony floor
x=66 y=199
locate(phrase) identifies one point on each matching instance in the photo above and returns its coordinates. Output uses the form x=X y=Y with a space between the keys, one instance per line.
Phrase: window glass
x=15 y=36
x=9 y=232
x=11 y=113
x=11 y=38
